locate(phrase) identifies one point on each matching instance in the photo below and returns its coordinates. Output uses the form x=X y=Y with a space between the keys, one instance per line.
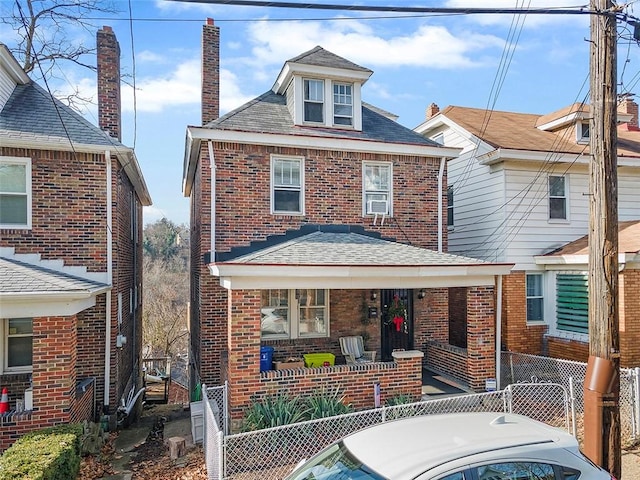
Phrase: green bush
x=49 y=454
x=282 y=410
x=322 y=404
x=273 y=412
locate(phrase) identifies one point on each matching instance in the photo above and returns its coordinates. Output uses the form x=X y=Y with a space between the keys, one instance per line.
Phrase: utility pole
x=602 y=386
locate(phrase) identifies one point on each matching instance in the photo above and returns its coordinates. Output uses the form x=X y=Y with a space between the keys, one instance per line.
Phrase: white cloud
x=428 y=46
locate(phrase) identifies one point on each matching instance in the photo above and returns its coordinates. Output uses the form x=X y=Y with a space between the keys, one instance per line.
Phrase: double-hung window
x=342 y=104
x=313 y=100
x=287 y=185
x=535 y=298
x=18 y=344
x=450 y=206
x=300 y=313
x=376 y=184
x=557 y=197
x=15 y=192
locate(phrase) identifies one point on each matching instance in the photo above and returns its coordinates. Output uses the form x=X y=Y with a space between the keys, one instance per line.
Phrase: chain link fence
x=545 y=389
x=520 y=367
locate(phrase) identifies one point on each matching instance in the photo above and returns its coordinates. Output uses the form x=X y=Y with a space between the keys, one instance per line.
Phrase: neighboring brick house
x=71 y=199
x=310 y=211
x=518 y=193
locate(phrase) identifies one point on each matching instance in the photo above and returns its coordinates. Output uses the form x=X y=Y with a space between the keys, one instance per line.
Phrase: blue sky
x=533 y=64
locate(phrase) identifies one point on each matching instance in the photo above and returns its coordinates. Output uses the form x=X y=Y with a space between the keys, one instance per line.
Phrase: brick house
x=518 y=193
x=71 y=199
x=312 y=213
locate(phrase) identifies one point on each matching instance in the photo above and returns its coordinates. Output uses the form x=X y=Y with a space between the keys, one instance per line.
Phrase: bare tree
x=48 y=33
x=164 y=324
x=166 y=289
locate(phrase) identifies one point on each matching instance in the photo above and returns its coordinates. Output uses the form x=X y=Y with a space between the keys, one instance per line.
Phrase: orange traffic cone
x=4 y=401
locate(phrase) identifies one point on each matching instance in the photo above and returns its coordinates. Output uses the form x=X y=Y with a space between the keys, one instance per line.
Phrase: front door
x=396 y=306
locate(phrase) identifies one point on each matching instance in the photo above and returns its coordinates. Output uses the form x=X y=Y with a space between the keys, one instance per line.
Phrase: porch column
x=244 y=350
x=54 y=367
x=480 y=336
x=409 y=378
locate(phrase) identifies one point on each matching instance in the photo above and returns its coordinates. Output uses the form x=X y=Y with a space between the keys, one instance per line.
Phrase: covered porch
x=329 y=285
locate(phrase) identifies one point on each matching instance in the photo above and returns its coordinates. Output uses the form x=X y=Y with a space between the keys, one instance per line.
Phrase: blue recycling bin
x=266 y=358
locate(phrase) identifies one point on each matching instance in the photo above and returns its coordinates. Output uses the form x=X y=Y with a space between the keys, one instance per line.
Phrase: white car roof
x=405 y=448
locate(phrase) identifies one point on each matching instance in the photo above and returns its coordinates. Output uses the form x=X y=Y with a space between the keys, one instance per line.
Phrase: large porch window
x=299 y=313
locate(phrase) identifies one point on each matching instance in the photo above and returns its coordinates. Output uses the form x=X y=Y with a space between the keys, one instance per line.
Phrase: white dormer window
x=342 y=104
x=314 y=101
x=582 y=130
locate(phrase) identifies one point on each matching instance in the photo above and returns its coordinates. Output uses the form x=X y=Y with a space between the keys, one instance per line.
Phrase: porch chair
x=354 y=352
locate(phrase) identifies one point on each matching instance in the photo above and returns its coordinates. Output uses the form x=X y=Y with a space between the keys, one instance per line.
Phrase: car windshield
x=335 y=463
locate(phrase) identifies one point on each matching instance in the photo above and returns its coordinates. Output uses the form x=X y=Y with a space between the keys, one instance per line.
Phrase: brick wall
x=69 y=205
x=629 y=308
x=517 y=336
x=333 y=194
x=458 y=317
x=567 y=349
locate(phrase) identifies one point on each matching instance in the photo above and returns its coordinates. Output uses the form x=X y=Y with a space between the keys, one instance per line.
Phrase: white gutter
x=440 y=187
x=498 y=329
x=212 y=165
x=107 y=344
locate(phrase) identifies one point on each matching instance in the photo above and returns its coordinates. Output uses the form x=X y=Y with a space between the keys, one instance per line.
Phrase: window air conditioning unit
x=379 y=207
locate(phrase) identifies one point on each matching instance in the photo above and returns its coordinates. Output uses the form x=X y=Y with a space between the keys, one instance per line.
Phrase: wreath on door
x=397 y=313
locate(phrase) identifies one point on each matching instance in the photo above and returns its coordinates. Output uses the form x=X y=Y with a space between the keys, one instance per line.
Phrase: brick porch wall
x=54 y=380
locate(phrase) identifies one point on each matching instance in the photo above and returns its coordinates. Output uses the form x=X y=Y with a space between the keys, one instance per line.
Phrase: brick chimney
x=432 y=110
x=210 y=72
x=109 y=106
x=629 y=106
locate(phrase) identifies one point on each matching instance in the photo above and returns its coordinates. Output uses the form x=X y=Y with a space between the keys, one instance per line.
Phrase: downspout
x=107 y=346
x=440 y=190
x=498 y=330
x=212 y=165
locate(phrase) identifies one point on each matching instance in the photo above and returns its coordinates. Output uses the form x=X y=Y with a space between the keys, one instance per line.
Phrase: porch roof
x=351 y=260
x=28 y=290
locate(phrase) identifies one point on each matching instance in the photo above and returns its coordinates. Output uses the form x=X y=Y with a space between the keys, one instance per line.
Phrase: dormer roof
x=320 y=62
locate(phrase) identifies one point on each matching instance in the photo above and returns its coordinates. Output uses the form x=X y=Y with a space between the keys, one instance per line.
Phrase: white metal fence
x=546 y=389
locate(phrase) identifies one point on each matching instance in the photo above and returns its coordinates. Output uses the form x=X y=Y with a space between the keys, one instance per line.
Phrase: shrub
x=273 y=412
x=322 y=404
x=49 y=454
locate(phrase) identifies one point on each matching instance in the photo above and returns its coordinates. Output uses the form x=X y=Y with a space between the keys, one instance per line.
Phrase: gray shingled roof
x=23 y=278
x=32 y=114
x=325 y=248
x=268 y=113
x=323 y=58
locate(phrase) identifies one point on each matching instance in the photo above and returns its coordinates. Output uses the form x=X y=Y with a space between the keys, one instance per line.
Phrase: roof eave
x=501 y=154
x=39 y=304
x=255 y=276
x=307 y=141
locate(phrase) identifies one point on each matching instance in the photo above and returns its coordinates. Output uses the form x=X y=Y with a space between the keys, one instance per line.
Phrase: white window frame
x=336 y=103
x=26 y=162
x=534 y=297
x=450 y=206
x=314 y=101
x=580 y=132
x=365 y=192
x=274 y=187
x=4 y=356
x=551 y=308
x=565 y=197
x=293 y=309
x=438 y=138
